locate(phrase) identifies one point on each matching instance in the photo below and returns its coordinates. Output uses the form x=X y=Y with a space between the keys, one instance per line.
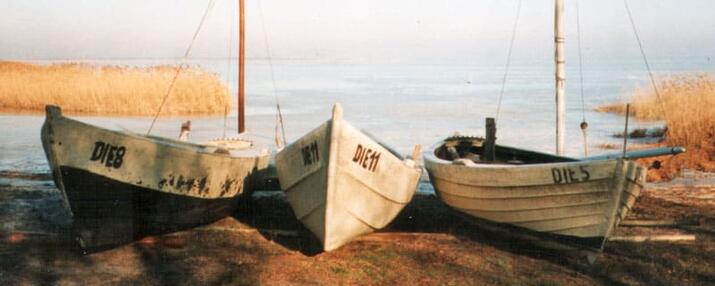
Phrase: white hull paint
x=342 y=184
x=146 y=164
x=585 y=199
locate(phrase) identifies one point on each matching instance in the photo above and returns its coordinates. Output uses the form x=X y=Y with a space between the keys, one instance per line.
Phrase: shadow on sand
x=616 y=263
x=271 y=215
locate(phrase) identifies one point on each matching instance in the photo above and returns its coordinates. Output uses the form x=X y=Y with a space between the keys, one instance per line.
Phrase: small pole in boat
x=416 y=152
x=411 y=161
x=241 y=66
x=185 y=129
x=490 y=139
x=625 y=131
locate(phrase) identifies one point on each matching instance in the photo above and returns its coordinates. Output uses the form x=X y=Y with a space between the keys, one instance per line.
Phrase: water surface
x=402 y=104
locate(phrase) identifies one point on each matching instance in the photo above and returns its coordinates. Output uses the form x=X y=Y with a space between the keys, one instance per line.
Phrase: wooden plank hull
x=122 y=212
x=583 y=199
x=342 y=184
x=120 y=186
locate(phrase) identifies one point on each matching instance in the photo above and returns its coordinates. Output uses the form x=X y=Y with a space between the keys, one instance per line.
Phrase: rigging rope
x=181 y=66
x=584 y=124
x=645 y=60
x=229 y=65
x=508 y=60
x=580 y=62
x=273 y=78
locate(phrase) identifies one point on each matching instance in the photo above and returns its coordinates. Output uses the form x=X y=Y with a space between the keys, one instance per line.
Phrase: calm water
x=402 y=104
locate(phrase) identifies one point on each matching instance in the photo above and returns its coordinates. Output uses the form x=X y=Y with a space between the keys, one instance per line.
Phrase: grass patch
x=687 y=105
x=92 y=89
x=338 y=270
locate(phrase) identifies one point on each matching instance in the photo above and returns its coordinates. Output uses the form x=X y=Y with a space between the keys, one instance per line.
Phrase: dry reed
x=687 y=105
x=89 y=89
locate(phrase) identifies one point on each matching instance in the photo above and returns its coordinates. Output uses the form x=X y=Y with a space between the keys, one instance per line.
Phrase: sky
x=365 y=30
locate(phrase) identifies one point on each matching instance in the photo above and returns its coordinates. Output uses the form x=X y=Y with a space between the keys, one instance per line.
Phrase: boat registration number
x=108 y=154
x=366 y=158
x=568 y=175
x=310 y=153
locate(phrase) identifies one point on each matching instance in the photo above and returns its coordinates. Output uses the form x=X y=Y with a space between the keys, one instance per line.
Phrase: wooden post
x=241 y=66
x=560 y=78
x=625 y=130
x=489 y=152
x=225 y=120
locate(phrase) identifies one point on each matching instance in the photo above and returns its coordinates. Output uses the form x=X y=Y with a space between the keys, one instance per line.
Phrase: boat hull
x=578 y=199
x=122 y=212
x=342 y=184
x=120 y=186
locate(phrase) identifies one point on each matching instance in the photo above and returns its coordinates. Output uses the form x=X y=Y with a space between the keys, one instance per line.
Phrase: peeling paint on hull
x=119 y=185
x=108 y=212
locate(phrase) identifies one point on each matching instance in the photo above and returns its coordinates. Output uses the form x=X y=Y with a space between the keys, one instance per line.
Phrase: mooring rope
x=181 y=66
x=508 y=60
x=645 y=60
x=273 y=78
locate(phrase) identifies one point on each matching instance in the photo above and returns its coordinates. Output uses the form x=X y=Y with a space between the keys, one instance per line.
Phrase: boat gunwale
x=430 y=157
x=248 y=153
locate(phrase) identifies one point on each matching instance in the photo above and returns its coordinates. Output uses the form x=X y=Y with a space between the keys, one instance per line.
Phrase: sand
x=427 y=244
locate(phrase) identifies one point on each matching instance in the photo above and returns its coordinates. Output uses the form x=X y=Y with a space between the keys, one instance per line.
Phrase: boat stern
x=53 y=113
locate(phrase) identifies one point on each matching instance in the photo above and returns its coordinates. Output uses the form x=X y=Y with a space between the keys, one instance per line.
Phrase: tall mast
x=241 y=67
x=560 y=77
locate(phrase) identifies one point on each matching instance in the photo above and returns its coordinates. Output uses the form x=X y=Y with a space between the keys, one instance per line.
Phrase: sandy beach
x=427 y=244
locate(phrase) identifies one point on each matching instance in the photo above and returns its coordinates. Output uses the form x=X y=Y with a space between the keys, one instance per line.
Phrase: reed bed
x=92 y=89
x=687 y=105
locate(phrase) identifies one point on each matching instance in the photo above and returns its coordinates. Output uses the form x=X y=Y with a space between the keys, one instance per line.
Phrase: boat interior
x=476 y=150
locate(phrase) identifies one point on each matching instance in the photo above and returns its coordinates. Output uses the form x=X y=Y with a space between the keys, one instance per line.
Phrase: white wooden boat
x=535 y=191
x=342 y=184
x=580 y=200
x=120 y=186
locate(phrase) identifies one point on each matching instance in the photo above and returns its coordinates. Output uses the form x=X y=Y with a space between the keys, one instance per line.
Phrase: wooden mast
x=560 y=78
x=241 y=67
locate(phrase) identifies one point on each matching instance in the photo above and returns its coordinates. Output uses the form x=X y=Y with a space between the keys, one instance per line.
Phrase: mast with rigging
x=241 y=67
x=560 y=77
